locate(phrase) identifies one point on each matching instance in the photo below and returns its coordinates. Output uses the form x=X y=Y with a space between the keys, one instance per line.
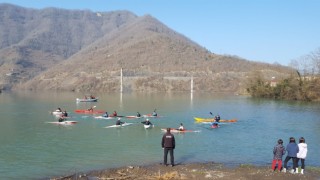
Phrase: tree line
x=303 y=85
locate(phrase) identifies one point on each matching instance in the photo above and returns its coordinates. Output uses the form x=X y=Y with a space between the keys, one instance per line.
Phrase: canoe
x=150 y=116
x=148 y=126
x=101 y=117
x=63 y=122
x=133 y=117
x=87 y=100
x=85 y=111
x=173 y=130
x=197 y=119
x=118 y=126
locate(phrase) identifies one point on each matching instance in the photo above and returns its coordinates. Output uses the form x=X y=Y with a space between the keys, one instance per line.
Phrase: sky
x=271 y=31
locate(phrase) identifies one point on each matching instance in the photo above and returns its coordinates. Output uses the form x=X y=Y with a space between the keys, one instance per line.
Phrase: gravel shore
x=191 y=171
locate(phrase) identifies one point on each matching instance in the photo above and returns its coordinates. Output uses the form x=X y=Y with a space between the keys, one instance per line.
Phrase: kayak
x=85 y=111
x=197 y=119
x=117 y=126
x=150 y=116
x=148 y=126
x=87 y=100
x=173 y=130
x=101 y=117
x=132 y=117
x=63 y=122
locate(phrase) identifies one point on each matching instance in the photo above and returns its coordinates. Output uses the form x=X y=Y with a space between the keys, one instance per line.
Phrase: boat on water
x=118 y=126
x=87 y=100
x=63 y=122
x=173 y=130
x=198 y=119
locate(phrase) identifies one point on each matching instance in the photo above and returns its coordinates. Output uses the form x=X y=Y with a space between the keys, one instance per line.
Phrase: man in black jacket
x=168 y=144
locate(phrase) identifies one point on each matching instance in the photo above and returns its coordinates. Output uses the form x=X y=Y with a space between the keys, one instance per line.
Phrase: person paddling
x=154 y=113
x=105 y=114
x=181 y=128
x=119 y=122
x=146 y=122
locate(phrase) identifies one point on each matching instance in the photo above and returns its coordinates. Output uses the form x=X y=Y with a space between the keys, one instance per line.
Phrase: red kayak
x=85 y=111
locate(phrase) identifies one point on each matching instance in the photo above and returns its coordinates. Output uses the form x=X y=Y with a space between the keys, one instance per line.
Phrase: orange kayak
x=199 y=120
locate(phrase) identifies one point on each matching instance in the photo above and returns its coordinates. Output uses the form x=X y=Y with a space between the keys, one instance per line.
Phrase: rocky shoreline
x=191 y=171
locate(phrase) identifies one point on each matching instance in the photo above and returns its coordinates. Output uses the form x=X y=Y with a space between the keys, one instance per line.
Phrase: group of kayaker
x=114 y=114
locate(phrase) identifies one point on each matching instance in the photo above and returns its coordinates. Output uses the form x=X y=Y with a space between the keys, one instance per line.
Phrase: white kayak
x=122 y=125
x=101 y=117
x=148 y=126
x=63 y=122
x=133 y=117
x=87 y=100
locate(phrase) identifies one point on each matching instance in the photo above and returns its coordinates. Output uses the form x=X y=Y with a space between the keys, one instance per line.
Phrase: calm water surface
x=31 y=148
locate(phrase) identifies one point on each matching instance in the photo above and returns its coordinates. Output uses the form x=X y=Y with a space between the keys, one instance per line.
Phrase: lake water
x=31 y=148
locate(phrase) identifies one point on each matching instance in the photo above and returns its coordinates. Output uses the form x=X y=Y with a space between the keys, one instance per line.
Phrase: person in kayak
x=115 y=114
x=146 y=122
x=138 y=114
x=181 y=128
x=214 y=125
x=217 y=118
x=168 y=144
x=64 y=114
x=105 y=114
x=90 y=109
x=119 y=122
x=154 y=113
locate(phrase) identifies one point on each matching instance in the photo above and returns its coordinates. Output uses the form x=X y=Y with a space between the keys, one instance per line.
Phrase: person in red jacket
x=168 y=144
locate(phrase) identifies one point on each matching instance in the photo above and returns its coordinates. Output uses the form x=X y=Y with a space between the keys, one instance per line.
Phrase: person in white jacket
x=302 y=154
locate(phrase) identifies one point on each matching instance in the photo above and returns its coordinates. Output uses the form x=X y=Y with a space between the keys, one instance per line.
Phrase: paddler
x=181 y=128
x=61 y=119
x=64 y=114
x=217 y=118
x=115 y=114
x=119 y=122
x=146 y=122
x=154 y=113
x=105 y=114
x=138 y=114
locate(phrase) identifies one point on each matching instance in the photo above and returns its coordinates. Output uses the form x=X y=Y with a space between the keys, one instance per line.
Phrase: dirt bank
x=192 y=171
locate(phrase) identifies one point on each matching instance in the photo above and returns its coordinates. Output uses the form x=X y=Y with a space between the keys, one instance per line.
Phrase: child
x=292 y=149
x=302 y=154
x=278 y=152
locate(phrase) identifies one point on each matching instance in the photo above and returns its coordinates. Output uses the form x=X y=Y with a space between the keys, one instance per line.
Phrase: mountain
x=78 y=50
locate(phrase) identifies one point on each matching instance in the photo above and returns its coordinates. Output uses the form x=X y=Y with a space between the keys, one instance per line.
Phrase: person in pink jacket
x=302 y=154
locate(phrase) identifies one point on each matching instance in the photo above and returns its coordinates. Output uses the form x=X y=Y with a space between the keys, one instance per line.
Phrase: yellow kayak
x=197 y=119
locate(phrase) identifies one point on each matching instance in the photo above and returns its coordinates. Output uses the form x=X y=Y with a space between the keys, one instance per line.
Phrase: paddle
x=211 y=113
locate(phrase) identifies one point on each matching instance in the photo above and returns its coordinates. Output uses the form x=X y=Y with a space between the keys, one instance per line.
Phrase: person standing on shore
x=292 y=149
x=168 y=144
x=278 y=152
x=302 y=154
